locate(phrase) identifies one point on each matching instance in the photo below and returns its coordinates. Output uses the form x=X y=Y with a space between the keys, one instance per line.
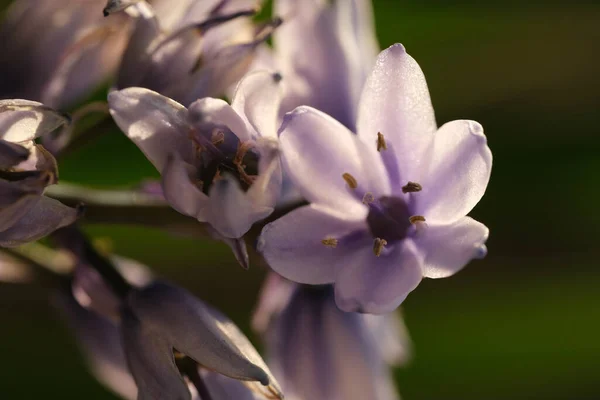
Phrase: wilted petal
x=24 y=120
x=11 y=154
x=198 y=331
x=155 y=123
x=448 y=248
x=232 y=213
x=396 y=102
x=45 y=217
x=458 y=173
x=180 y=191
x=317 y=151
x=378 y=285
x=293 y=244
x=151 y=362
x=257 y=99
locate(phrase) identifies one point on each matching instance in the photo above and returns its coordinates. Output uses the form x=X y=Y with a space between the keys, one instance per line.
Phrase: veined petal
x=24 y=120
x=446 y=249
x=293 y=244
x=180 y=191
x=45 y=217
x=218 y=112
x=396 y=103
x=257 y=100
x=155 y=123
x=458 y=173
x=317 y=152
x=378 y=285
x=232 y=212
x=198 y=331
x=151 y=362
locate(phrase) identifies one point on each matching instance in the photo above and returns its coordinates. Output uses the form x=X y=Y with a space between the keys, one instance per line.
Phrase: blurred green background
x=522 y=324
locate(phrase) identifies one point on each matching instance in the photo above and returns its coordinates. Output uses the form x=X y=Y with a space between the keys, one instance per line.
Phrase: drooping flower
x=57 y=51
x=388 y=205
x=319 y=352
x=190 y=49
x=324 y=50
x=25 y=170
x=218 y=161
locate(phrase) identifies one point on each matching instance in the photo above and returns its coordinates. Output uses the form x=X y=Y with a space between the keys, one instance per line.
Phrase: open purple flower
x=219 y=162
x=26 y=169
x=189 y=49
x=388 y=205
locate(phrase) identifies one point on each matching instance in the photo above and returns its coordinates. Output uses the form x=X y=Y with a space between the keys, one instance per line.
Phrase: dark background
x=522 y=324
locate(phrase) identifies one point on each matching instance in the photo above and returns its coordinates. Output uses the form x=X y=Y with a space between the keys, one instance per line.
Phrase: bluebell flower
x=389 y=204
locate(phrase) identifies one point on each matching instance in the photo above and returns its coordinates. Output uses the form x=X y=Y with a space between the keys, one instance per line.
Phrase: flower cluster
x=327 y=161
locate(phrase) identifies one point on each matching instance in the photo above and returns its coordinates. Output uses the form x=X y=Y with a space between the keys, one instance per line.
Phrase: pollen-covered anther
x=350 y=180
x=378 y=246
x=381 y=144
x=217 y=137
x=415 y=219
x=242 y=149
x=330 y=242
x=411 y=187
x=368 y=198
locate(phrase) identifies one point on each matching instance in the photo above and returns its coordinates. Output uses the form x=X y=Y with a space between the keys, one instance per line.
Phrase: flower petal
x=24 y=120
x=232 y=212
x=378 y=285
x=257 y=100
x=179 y=190
x=198 y=331
x=458 y=174
x=11 y=154
x=317 y=151
x=292 y=245
x=210 y=112
x=151 y=362
x=155 y=123
x=448 y=248
x=45 y=217
x=395 y=102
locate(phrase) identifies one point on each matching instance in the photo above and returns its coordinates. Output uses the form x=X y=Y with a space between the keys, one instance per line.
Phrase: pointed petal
x=448 y=248
x=155 y=123
x=317 y=151
x=11 y=154
x=395 y=102
x=24 y=120
x=458 y=174
x=293 y=247
x=16 y=200
x=232 y=212
x=180 y=191
x=257 y=100
x=224 y=388
x=378 y=285
x=45 y=217
x=198 y=331
x=151 y=362
x=209 y=111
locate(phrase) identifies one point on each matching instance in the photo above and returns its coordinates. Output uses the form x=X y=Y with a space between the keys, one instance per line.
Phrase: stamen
x=350 y=180
x=416 y=218
x=330 y=242
x=411 y=187
x=381 y=144
x=378 y=246
x=368 y=198
x=217 y=137
x=238 y=160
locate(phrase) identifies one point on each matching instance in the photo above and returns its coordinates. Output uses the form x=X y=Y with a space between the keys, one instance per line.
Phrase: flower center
x=388 y=219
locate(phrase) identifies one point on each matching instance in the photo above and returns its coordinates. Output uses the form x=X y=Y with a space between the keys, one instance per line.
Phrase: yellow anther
x=350 y=180
x=330 y=242
x=368 y=198
x=381 y=144
x=411 y=187
x=416 y=218
x=378 y=246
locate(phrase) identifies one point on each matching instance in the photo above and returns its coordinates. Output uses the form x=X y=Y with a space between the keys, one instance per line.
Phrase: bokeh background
x=522 y=324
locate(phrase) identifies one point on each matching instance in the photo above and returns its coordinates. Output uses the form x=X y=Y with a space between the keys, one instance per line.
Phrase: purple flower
x=25 y=170
x=388 y=205
x=325 y=51
x=57 y=51
x=218 y=161
x=189 y=49
x=322 y=353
